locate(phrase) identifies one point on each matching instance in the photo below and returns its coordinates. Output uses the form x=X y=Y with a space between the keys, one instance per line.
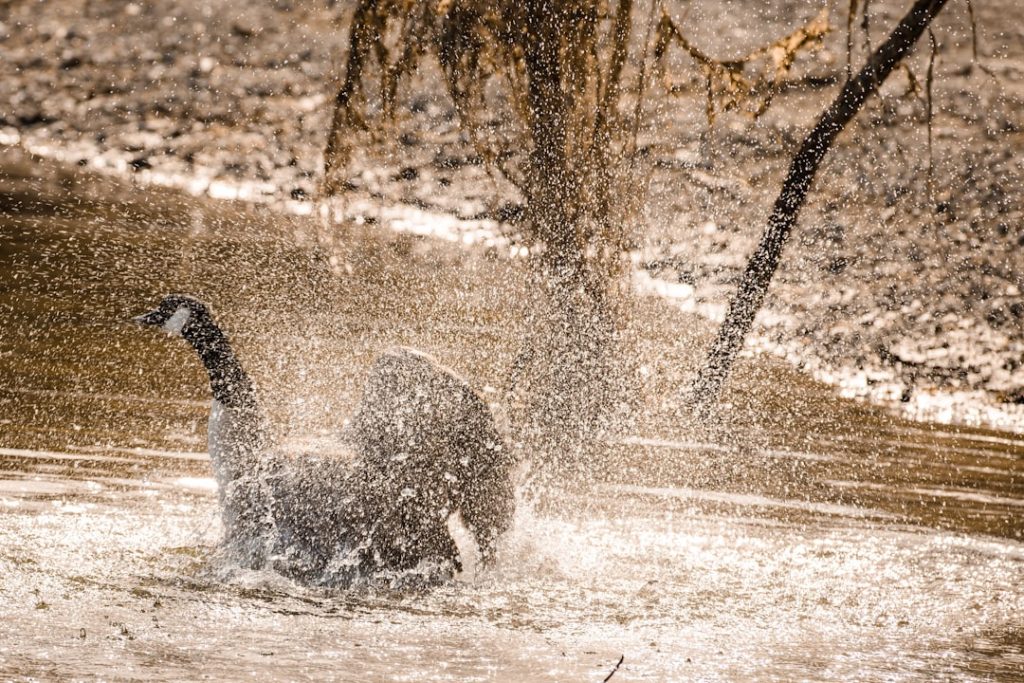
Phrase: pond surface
x=801 y=538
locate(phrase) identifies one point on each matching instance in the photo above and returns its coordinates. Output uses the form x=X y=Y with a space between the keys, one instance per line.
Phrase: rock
x=1014 y=396
x=408 y=173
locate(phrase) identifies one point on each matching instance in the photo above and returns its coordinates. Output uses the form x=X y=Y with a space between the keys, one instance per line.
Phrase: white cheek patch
x=176 y=322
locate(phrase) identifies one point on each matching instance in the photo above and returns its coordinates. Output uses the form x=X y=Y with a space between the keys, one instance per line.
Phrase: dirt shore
x=889 y=289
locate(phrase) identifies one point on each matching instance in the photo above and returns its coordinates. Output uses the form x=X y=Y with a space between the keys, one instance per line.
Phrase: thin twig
x=929 y=80
x=974 y=41
x=974 y=30
x=608 y=99
x=728 y=75
x=865 y=25
x=617 y=665
x=851 y=13
x=641 y=81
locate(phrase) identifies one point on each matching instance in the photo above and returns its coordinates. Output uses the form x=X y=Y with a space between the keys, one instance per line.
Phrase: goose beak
x=151 y=318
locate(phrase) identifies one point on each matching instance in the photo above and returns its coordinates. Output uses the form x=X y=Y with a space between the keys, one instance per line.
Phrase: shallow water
x=116 y=577
x=832 y=543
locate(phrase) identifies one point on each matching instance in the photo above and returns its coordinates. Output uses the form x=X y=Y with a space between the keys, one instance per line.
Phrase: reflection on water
x=834 y=544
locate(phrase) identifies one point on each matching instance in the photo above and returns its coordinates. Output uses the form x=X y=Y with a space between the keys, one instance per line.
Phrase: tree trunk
x=567 y=359
x=551 y=183
x=762 y=265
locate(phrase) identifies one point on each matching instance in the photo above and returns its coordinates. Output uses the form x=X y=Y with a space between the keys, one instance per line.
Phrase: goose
x=421 y=446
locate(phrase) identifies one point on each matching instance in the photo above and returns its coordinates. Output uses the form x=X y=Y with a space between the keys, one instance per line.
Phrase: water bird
x=421 y=446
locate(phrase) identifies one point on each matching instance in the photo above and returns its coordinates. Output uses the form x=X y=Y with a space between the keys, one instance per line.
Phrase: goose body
x=421 y=446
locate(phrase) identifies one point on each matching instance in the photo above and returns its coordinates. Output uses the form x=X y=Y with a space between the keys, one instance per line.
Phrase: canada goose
x=423 y=446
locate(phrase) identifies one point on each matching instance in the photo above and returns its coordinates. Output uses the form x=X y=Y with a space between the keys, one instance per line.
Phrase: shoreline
x=898 y=292
x=874 y=387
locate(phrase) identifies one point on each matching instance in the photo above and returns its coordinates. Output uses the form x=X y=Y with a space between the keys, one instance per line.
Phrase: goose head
x=176 y=313
x=181 y=315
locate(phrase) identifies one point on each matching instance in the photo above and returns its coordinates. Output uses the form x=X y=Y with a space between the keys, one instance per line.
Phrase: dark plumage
x=423 y=446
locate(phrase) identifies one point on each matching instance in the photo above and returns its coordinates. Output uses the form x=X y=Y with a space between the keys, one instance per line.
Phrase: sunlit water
x=118 y=578
x=838 y=544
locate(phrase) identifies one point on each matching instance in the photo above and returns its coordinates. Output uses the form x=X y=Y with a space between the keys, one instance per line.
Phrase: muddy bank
x=890 y=290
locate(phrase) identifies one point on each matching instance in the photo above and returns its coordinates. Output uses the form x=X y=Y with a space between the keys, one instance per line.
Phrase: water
x=801 y=538
x=115 y=577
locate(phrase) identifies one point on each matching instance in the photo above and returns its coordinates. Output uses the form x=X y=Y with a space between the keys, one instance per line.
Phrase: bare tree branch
x=359 y=45
x=762 y=265
x=616 y=668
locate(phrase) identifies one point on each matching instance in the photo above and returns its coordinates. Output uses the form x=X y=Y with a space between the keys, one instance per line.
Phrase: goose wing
x=424 y=434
